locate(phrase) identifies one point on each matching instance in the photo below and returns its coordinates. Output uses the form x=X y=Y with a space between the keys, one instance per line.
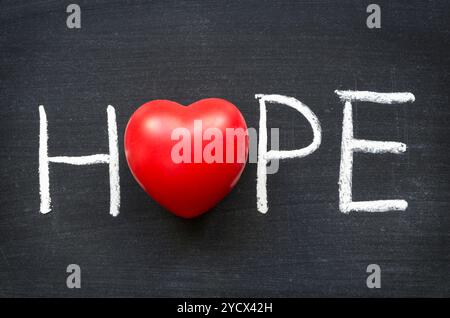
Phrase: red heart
x=189 y=188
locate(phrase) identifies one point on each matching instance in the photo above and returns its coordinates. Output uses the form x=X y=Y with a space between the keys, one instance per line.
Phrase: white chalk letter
x=264 y=156
x=112 y=159
x=349 y=145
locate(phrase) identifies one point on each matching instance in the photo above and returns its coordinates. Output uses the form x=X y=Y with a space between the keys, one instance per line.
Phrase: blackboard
x=129 y=52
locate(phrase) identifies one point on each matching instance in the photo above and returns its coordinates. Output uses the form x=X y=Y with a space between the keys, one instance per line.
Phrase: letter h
x=112 y=159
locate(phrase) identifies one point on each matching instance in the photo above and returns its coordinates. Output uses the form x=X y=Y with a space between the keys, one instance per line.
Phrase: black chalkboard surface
x=129 y=52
